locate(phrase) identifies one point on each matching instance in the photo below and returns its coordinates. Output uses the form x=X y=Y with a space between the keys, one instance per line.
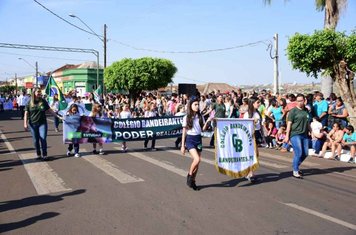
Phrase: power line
x=159 y=51
x=44 y=57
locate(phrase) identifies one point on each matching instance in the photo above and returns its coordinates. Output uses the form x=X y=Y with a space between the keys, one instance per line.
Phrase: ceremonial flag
x=97 y=94
x=236 y=153
x=52 y=89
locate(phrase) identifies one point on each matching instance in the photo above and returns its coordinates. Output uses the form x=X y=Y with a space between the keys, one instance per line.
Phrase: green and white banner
x=236 y=153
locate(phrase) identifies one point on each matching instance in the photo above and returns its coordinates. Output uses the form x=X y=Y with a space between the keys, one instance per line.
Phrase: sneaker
x=77 y=155
x=56 y=130
x=251 y=179
x=101 y=152
x=351 y=160
x=297 y=175
x=124 y=149
x=95 y=152
x=44 y=158
x=69 y=153
x=153 y=149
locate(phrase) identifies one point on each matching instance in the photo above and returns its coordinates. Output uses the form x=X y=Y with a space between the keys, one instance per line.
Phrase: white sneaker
x=101 y=152
x=297 y=175
x=77 y=155
x=69 y=153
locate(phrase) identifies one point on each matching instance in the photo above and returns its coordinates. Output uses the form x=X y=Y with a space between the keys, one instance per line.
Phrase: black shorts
x=194 y=142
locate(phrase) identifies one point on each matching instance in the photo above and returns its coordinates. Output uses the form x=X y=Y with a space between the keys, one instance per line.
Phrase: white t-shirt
x=257 y=118
x=125 y=114
x=196 y=129
x=316 y=127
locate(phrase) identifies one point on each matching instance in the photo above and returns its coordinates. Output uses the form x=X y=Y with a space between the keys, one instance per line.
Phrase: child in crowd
x=318 y=135
x=124 y=114
x=73 y=111
x=280 y=136
x=348 y=142
x=271 y=132
x=334 y=138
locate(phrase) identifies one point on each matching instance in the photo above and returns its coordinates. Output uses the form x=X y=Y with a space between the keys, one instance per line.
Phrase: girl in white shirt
x=124 y=114
x=193 y=124
x=252 y=112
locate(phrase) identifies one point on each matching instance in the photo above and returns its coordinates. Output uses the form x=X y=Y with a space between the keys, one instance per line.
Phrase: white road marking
x=321 y=215
x=109 y=168
x=43 y=177
x=163 y=165
x=7 y=143
x=289 y=160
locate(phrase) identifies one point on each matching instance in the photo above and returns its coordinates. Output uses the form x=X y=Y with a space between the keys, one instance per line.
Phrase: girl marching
x=193 y=125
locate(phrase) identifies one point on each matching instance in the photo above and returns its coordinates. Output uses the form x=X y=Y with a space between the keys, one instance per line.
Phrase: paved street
x=145 y=192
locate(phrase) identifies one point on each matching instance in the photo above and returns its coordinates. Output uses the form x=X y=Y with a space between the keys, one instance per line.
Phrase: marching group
x=283 y=122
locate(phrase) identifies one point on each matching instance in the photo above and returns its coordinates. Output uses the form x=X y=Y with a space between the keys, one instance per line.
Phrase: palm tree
x=332 y=9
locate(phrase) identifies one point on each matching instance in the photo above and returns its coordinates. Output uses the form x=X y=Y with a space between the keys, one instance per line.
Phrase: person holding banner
x=252 y=112
x=73 y=111
x=35 y=114
x=193 y=124
x=150 y=112
x=98 y=113
x=297 y=133
x=124 y=114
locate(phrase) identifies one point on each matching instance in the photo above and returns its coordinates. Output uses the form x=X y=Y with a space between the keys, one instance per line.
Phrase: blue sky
x=164 y=25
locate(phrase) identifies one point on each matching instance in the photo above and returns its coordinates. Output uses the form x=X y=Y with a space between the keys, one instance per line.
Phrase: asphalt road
x=145 y=192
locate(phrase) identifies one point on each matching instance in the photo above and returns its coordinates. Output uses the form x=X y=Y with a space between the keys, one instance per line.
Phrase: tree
x=332 y=9
x=7 y=89
x=331 y=52
x=136 y=75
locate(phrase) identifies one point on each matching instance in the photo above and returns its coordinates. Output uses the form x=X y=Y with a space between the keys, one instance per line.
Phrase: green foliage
x=321 y=51
x=140 y=74
x=7 y=88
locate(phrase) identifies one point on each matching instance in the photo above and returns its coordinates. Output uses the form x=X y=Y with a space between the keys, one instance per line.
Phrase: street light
x=101 y=38
x=35 y=67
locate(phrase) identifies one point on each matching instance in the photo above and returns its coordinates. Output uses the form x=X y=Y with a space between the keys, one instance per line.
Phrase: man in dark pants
x=22 y=102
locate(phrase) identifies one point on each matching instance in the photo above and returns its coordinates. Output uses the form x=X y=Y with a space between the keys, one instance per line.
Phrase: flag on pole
x=236 y=152
x=52 y=89
x=97 y=94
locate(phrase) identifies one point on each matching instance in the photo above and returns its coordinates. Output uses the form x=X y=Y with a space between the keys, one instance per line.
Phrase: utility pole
x=16 y=83
x=36 y=74
x=105 y=45
x=275 y=84
x=104 y=90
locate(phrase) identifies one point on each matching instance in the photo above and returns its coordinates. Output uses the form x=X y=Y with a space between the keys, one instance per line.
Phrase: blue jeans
x=300 y=149
x=279 y=123
x=39 y=135
x=56 y=122
x=317 y=145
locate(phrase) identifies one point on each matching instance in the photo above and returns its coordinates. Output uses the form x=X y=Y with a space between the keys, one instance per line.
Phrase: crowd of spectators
x=328 y=117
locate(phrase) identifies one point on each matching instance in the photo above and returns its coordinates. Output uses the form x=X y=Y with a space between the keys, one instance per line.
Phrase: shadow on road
x=36 y=200
x=24 y=223
x=270 y=177
x=273 y=177
x=8 y=164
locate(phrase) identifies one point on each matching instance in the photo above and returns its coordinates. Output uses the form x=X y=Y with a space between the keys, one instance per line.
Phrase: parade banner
x=83 y=129
x=236 y=153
